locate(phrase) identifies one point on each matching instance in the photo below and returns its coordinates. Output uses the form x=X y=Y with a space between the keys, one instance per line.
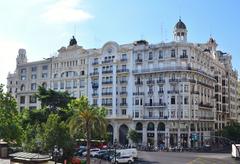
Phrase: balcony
x=150 y=92
x=123 y=104
x=160 y=92
x=123 y=81
x=94 y=85
x=173 y=92
x=138 y=93
x=94 y=74
x=107 y=93
x=155 y=104
x=173 y=80
x=95 y=63
x=160 y=81
x=107 y=61
x=107 y=71
x=138 y=60
x=94 y=94
x=208 y=105
x=123 y=93
x=138 y=83
x=107 y=82
x=106 y=104
x=155 y=117
x=150 y=82
x=123 y=70
x=183 y=56
x=123 y=59
x=195 y=92
x=207 y=118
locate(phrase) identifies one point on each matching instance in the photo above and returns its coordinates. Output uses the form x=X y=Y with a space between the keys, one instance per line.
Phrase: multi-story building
x=168 y=92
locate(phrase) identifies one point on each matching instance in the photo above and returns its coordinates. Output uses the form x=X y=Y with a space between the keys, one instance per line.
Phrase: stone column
x=167 y=136
x=189 y=134
x=116 y=132
x=144 y=134
x=155 y=136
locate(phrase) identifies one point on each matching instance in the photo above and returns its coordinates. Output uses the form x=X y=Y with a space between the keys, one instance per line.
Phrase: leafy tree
x=232 y=132
x=56 y=132
x=133 y=135
x=10 y=129
x=88 y=120
x=53 y=100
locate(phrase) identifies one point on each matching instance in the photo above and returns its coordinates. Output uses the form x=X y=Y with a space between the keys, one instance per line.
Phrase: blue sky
x=44 y=26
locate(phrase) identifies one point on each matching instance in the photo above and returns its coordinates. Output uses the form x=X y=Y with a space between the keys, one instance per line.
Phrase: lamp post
x=115 y=149
x=38 y=142
x=57 y=153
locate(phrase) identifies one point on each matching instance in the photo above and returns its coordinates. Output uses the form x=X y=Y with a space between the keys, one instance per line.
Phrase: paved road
x=173 y=158
x=184 y=158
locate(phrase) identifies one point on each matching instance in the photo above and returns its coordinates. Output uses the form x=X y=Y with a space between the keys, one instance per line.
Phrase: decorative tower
x=21 y=58
x=180 y=32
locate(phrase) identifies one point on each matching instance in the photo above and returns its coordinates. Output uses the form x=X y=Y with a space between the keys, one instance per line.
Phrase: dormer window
x=160 y=54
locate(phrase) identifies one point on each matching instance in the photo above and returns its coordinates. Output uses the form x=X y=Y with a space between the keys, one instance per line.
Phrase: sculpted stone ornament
x=73 y=41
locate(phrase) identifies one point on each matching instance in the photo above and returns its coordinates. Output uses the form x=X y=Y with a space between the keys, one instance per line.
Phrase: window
x=68 y=84
x=124 y=112
x=22 y=99
x=82 y=83
x=34 y=76
x=82 y=73
x=184 y=53
x=23 y=77
x=173 y=100
x=23 y=70
x=124 y=56
x=44 y=75
x=55 y=85
x=32 y=107
x=150 y=56
x=136 y=114
x=94 y=101
x=137 y=102
x=32 y=99
x=160 y=54
x=75 y=84
x=173 y=55
x=34 y=69
x=185 y=100
x=22 y=88
x=45 y=67
x=62 y=85
x=33 y=86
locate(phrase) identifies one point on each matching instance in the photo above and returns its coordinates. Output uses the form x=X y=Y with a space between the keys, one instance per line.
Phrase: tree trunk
x=88 y=143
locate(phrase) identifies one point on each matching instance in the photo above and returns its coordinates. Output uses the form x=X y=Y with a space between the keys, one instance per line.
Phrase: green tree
x=88 y=120
x=56 y=132
x=232 y=132
x=53 y=100
x=10 y=129
x=133 y=136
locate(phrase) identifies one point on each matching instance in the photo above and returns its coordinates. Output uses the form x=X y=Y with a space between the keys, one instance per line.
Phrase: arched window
x=161 y=126
x=139 y=126
x=150 y=126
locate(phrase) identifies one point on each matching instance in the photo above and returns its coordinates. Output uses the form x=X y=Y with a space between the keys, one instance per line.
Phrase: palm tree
x=88 y=120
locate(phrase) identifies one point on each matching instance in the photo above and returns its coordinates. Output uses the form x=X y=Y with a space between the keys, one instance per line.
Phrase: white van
x=235 y=152
x=128 y=152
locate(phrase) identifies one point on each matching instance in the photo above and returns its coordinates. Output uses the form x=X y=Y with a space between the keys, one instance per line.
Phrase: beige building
x=177 y=93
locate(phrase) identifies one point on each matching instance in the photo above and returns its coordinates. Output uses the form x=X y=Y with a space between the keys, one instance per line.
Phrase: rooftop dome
x=180 y=25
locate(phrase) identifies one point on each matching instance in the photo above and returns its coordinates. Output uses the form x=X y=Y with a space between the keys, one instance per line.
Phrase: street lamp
x=115 y=149
x=38 y=142
x=57 y=153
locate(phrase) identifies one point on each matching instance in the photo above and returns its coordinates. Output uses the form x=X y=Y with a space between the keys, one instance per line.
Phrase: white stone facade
x=168 y=92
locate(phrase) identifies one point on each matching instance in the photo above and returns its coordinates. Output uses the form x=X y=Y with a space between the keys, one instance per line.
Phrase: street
x=184 y=158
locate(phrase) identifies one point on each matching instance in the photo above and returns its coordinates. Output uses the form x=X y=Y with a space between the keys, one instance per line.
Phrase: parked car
x=101 y=153
x=93 y=152
x=123 y=159
x=80 y=152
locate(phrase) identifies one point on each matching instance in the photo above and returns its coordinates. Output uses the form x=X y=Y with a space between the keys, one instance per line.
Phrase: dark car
x=80 y=151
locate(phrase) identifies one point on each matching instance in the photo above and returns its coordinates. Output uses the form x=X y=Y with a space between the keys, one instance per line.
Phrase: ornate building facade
x=177 y=93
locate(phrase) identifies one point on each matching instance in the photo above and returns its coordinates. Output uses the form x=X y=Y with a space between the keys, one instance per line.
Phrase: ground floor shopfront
x=168 y=133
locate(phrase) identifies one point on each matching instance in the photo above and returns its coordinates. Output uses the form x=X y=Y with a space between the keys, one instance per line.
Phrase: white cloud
x=65 y=11
x=9 y=52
